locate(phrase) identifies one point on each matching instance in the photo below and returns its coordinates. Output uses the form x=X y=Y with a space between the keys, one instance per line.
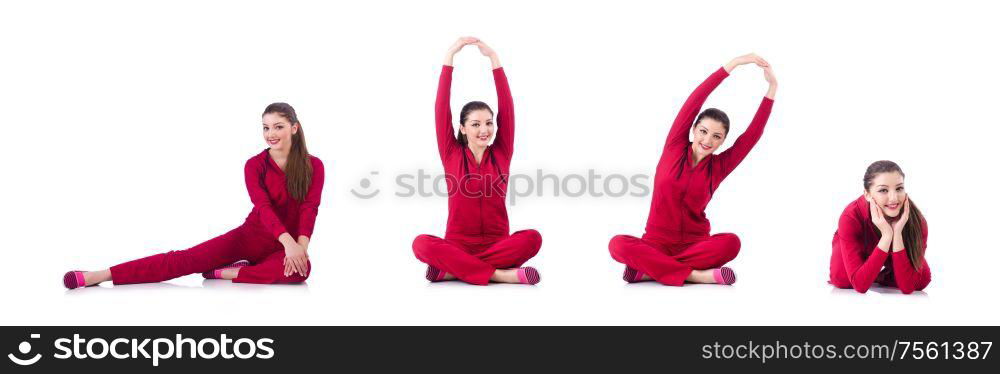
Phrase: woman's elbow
x=861 y=287
x=923 y=283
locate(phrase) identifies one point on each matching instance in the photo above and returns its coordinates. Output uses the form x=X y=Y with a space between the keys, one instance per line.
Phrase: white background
x=126 y=127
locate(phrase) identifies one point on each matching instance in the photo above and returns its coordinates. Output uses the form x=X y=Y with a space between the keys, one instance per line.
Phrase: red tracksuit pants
x=671 y=263
x=474 y=261
x=265 y=254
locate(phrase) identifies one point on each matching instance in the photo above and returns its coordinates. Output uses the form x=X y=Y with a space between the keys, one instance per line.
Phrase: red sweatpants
x=265 y=254
x=475 y=261
x=671 y=263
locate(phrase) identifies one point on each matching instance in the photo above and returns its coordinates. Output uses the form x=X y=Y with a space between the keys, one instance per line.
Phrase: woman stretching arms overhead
x=677 y=247
x=477 y=247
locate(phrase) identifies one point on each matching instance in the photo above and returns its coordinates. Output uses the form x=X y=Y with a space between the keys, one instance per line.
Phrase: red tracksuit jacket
x=476 y=206
x=274 y=210
x=681 y=192
x=857 y=262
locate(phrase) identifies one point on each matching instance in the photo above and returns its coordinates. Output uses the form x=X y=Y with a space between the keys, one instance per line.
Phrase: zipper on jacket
x=482 y=196
x=687 y=186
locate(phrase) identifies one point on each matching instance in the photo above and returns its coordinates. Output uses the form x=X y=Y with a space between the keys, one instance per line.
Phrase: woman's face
x=278 y=132
x=709 y=135
x=478 y=128
x=887 y=192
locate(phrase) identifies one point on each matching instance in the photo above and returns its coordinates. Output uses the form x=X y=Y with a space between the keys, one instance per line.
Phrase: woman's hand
x=882 y=224
x=304 y=242
x=485 y=49
x=296 y=259
x=749 y=58
x=771 y=81
x=488 y=52
x=457 y=46
x=897 y=228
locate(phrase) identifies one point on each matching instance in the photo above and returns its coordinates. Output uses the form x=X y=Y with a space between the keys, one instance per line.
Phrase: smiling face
x=708 y=135
x=278 y=132
x=478 y=128
x=887 y=192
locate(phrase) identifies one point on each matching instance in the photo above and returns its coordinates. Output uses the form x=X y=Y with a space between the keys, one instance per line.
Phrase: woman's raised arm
x=442 y=105
x=504 y=141
x=733 y=156
x=689 y=111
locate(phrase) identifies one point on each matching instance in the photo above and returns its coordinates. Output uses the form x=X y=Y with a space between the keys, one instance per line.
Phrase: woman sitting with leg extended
x=285 y=183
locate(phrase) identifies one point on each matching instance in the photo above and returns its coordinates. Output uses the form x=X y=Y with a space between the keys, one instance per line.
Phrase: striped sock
x=434 y=274
x=528 y=275
x=74 y=279
x=217 y=273
x=632 y=275
x=724 y=275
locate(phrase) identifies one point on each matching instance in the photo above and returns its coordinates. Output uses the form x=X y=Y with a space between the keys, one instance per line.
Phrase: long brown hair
x=298 y=169
x=913 y=232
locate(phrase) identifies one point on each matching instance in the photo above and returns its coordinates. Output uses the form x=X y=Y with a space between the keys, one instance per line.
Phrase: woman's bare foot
x=522 y=275
x=723 y=275
x=701 y=276
x=505 y=276
x=229 y=274
x=96 y=277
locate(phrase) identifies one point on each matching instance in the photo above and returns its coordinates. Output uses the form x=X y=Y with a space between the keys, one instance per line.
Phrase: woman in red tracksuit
x=285 y=184
x=883 y=219
x=477 y=247
x=677 y=247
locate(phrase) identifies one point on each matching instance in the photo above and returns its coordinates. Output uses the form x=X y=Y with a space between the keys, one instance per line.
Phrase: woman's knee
x=294 y=277
x=532 y=240
x=620 y=246
x=923 y=283
x=423 y=245
x=729 y=244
